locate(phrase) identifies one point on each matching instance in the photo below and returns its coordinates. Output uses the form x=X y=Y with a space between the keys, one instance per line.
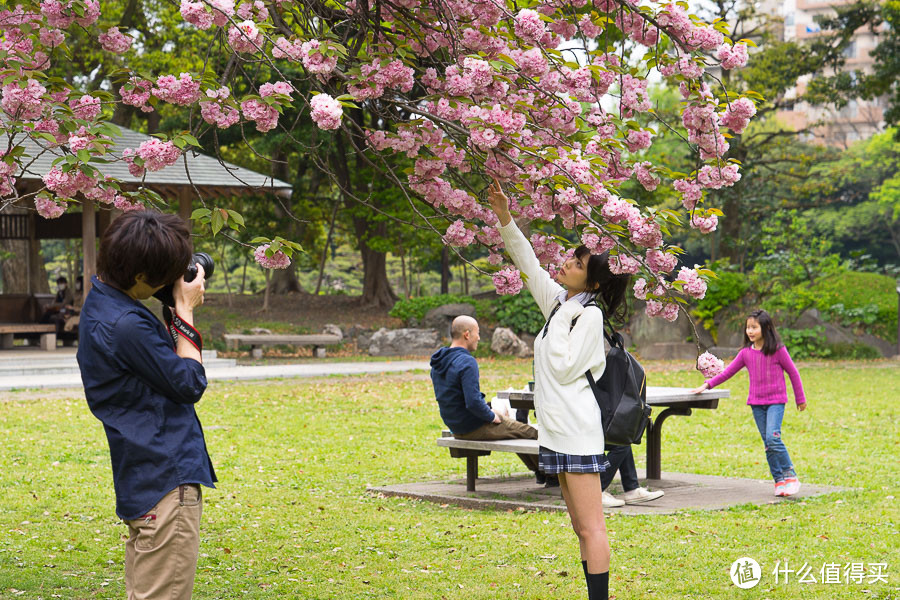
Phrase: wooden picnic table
x=677 y=401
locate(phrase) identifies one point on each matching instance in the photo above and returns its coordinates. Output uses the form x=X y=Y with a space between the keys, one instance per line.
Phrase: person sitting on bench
x=454 y=374
x=622 y=460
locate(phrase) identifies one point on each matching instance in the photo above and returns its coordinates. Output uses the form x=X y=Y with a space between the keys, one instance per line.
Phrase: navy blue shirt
x=454 y=374
x=144 y=393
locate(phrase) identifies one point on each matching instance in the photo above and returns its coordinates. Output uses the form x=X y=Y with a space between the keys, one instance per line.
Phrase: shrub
x=727 y=289
x=408 y=309
x=805 y=343
x=811 y=343
x=520 y=313
x=866 y=301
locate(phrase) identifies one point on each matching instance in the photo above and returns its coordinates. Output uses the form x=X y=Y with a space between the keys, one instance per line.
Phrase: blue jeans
x=768 y=421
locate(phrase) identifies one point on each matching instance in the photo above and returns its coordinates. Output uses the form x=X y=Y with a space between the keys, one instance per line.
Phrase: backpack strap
x=547 y=324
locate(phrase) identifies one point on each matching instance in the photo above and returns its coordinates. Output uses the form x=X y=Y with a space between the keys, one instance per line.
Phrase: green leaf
x=200 y=213
x=217 y=222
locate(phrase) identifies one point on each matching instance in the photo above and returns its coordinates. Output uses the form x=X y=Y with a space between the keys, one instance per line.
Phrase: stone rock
x=332 y=329
x=260 y=331
x=216 y=330
x=655 y=330
x=504 y=341
x=726 y=353
x=354 y=331
x=668 y=351
x=528 y=339
x=403 y=342
x=440 y=318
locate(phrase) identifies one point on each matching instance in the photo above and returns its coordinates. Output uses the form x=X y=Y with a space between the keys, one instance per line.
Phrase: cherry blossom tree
x=542 y=97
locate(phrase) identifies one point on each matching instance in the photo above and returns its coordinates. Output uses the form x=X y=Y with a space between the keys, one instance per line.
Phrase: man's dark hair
x=155 y=244
x=61 y=279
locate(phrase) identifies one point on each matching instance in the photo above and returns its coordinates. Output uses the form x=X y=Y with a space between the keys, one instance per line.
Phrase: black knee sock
x=598 y=585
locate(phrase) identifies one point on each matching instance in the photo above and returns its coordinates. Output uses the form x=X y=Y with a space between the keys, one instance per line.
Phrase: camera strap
x=177 y=327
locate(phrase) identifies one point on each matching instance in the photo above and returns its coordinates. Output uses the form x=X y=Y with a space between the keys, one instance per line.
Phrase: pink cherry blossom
x=182 y=91
x=245 y=37
x=49 y=208
x=623 y=264
x=732 y=57
x=704 y=224
x=23 y=103
x=326 y=112
x=86 y=107
x=138 y=95
x=692 y=284
x=115 y=42
x=529 y=26
x=278 y=260
x=691 y=192
x=661 y=262
x=508 y=281
x=710 y=365
x=645 y=176
x=265 y=116
x=459 y=235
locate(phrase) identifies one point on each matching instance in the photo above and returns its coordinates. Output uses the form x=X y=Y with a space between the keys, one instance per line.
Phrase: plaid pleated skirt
x=553 y=463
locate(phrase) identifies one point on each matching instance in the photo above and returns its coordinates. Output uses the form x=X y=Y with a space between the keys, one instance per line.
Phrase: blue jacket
x=144 y=393
x=454 y=373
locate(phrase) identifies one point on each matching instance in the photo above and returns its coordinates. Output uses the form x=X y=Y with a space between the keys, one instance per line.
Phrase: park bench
x=18 y=318
x=677 y=401
x=257 y=341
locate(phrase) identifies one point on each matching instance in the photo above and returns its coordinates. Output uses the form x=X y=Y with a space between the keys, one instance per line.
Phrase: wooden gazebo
x=193 y=173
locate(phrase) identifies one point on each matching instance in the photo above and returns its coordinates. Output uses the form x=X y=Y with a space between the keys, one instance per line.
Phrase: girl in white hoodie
x=571 y=432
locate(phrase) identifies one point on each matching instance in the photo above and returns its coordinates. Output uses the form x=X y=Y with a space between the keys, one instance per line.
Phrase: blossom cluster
x=710 y=365
x=278 y=259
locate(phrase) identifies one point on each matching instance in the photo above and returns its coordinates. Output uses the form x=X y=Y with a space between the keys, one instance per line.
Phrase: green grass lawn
x=291 y=517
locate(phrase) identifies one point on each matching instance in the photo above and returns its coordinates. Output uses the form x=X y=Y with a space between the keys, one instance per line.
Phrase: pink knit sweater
x=766 y=376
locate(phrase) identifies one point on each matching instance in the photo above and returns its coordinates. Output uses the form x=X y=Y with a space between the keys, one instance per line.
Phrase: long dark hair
x=771 y=341
x=611 y=289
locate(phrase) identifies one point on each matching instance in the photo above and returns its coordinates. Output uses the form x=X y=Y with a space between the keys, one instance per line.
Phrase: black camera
x=165 y=294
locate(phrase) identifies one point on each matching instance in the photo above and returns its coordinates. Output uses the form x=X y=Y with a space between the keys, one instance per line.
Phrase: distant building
x=859 y=119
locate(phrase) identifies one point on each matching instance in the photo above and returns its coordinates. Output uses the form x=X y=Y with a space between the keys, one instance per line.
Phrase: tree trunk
x=244 y=272
x=376 y=286
x=284 y=281
x=224 y=269
x=25 y=262
x=325 y=248
x=403 y=273
x=265 y=306
x=445 y=270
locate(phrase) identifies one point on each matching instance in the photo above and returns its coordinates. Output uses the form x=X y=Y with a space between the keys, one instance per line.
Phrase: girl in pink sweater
x=767 y=360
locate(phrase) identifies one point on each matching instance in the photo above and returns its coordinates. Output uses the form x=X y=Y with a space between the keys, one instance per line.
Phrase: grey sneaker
x=641 y=495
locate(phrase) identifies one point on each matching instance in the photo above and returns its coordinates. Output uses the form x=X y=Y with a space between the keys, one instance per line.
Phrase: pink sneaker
x=791 y=486
x=779 y=488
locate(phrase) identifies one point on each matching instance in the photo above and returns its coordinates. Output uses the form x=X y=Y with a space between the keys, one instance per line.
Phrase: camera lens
x=205 y=261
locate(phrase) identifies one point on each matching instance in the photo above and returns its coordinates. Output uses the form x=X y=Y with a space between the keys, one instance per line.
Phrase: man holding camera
x=143 y=386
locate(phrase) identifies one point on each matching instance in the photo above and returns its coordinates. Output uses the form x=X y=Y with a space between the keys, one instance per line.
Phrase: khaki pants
x=161 y=554
x=506 y=429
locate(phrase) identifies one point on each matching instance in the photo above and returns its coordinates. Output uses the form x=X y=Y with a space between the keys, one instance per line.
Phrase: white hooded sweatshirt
x=566 y=409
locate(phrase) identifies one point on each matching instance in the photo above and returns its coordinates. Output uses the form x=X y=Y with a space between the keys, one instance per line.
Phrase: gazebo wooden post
x=185 y=198
x=89 y=241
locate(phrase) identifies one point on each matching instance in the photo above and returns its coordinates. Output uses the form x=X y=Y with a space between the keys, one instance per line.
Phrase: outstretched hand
x=499 y=202
x=700 y=389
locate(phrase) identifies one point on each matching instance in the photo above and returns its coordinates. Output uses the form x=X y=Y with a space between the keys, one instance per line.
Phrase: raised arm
x=736 y=365
x=539 y=283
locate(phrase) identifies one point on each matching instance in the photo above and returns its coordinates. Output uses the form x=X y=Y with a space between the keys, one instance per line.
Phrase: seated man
x=622 y=460
x=63 y=298
x=454 y=373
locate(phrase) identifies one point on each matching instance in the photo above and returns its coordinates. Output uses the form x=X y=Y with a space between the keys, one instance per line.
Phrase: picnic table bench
x=257 y=341
x=18 y=316
x=46 y=332
x=677 y=401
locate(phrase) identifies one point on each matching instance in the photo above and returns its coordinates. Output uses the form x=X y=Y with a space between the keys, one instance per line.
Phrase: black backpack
x=621 y=392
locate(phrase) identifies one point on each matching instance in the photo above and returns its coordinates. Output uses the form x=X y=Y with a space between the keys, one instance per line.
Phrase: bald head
x=461 y=325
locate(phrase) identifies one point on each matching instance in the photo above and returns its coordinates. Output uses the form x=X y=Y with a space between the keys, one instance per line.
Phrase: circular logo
x=745 y=573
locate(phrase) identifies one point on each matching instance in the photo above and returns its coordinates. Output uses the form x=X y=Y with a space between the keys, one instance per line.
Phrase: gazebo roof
x=210 y=175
